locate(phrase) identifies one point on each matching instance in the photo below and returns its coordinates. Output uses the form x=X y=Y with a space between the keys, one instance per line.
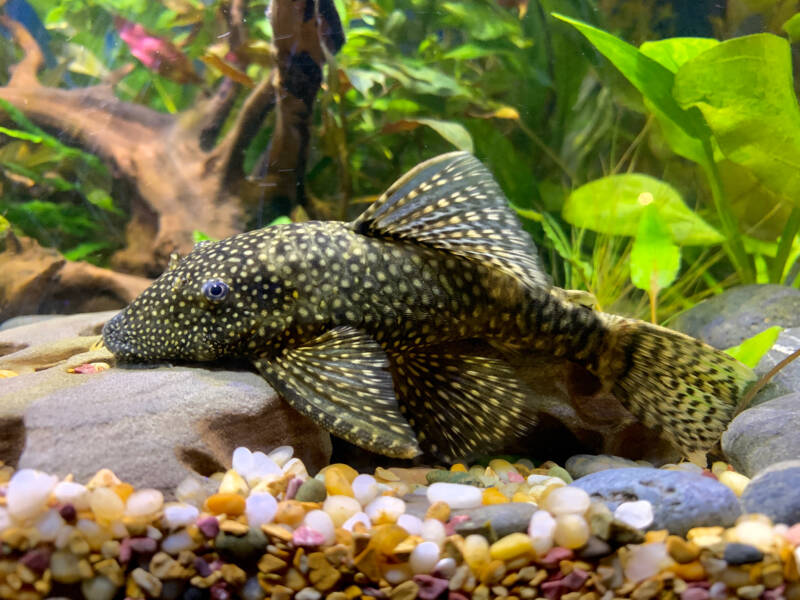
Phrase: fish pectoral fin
x=452 y=203
x=341 y=381
x=461 y=401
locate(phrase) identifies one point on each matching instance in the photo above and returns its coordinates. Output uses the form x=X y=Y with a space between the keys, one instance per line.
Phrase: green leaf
x=655 y=259
x=199 y=236
x=453 y=132
x=614 y=205
x=4 y=226
x=282 y=220
x=673 y=52
x=753 y=349
x=81 y=251
x=744 y=89
x=102 y=199
x=792 y=27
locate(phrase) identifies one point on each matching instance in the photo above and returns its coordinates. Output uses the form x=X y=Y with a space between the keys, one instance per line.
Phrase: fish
x=395 y=331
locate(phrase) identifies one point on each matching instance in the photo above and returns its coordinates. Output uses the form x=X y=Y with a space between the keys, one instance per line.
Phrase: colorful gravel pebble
x=272 y=531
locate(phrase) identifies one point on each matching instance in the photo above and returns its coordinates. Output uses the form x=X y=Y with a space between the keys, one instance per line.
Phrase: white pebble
x=424 y=557
x=94 y=533
x=177 y=542
x=319 y=521
x=537 y=479
x=144 y=503
x=260 y=508
x=281 y=455
x=646 y=561
x=242 y=460
x=71 y=492
x=397 y=574
x=191 y=491
x=719 y=591
x=637 y=514
x=154 y=533
x=359 y=517
x=411 y=523
x=567 y=500
x=106 y=504
x=49 y=525
x=456 y=495
x=385 y=508
x=179 y=515
x=541 y=529
x=433 y=531
x=445 y=567
x=365 y=488
x=296 y=467
x=340 y=508
x=63 y=537
x=5 y=519
x=118 y=530
x=28 y=492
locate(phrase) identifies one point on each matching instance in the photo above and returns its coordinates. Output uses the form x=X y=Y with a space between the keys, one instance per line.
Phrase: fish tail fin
x=673 y=383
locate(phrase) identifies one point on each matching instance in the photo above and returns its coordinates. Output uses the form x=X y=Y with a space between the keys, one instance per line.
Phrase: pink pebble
x=793 y=534
x=143 y=545
x=695 y=593
x=514 y=477
x=430 y=587
x=292 y=487
x=575 y=580
x=775 y=593
x=208 y=526
x=450 y=526
x=305 y=536
x=125 y=550
x=37 y=560
x=555 y=556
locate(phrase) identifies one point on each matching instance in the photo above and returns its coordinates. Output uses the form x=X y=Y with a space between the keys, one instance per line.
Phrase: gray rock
x=774 y=492
x=741 y=554
x=241 y=547
x=312 y=490
x=51 y=329
x=787 y=380
x=581 y=465
x=152 y=427
x=25 y=320
x=680 y=500
x=501 y=519
x=739 y=313
x=764 y=435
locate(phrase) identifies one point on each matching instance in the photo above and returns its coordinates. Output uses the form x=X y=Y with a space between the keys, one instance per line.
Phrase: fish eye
x=215 y=290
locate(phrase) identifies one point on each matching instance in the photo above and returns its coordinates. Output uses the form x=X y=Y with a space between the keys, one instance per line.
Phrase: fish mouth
x=115 y=339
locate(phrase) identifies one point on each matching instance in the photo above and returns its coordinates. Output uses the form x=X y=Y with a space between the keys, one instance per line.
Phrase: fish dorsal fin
x=461 y=399
x=341 y=381
x=453 y=203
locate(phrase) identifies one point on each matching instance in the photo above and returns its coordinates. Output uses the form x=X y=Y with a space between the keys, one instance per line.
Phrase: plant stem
x=778 y=264
x=733 y=245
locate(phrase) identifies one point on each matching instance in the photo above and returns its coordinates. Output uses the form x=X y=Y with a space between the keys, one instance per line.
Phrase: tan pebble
x=281 y=592
x=147 y=582
x=511 y=546
x=735 y=577
x=510 y=579
x=402 y=550
x=111 y=569
x=705 y=536
x=407 y=590
x=295 y=580
x=269 y=563
x=78 y=544
x=103 y=478
x=647 y=589
x=233 y=574
x=206 y=582
x=367 y=563
x=572 y=531
x=654 y=536
x=85 y=569
x=476 y=552
x=681 y=550
x=336 y=596
x=163 y=566
x=110 y=549
x=499 y=590
x=277 y=532
x=690 y=571
x=228 y=504
x=300 y=560
x=735 y=481
x=324 y=579
x=750 y=592
x=290 y=512
x=337 y=555
x=493 y=572
x=459 y=578
x=571 y=596
x=233 y=527
x=317 y=560
x=481 y=592
x=385 y=475
x=590 y=596
x=772 y=575
x=792 y=591
x=439 y=510
x=352 y=592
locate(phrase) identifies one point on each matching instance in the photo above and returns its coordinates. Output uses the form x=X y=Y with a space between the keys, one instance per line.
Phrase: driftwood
x=185 y=178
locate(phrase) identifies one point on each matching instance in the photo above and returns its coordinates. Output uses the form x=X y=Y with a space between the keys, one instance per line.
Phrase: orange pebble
x=123 y=490
x=458 y=468
x=691 y=571
x=336 y=483
x=229 y=504
x=494 y=496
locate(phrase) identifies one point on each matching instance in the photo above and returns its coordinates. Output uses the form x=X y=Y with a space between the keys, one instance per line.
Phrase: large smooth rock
x=764 y=435
x=787 y=380
x=581 y=465
x=152 y=427
x=774 y=492
x=680 y=500
x=739 y=313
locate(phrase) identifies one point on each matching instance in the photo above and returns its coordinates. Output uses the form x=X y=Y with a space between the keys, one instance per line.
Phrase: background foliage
x=651 y=169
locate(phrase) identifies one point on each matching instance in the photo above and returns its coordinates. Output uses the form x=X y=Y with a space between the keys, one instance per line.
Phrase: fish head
x=200 y=309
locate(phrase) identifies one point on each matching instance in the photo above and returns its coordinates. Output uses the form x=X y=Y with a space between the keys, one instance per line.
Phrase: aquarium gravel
x=267 y=529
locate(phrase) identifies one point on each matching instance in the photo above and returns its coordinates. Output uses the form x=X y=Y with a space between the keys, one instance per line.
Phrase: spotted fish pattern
x=394 y=331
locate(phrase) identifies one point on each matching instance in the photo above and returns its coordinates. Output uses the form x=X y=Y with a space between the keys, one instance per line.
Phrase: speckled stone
x=503 y=519
x=680 y=500
x=581 y=465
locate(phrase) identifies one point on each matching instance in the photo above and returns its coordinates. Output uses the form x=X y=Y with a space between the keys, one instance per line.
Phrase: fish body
x=393 y=331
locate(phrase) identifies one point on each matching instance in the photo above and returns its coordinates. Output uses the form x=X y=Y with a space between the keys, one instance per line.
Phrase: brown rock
x=152 y=427
x=682 y=551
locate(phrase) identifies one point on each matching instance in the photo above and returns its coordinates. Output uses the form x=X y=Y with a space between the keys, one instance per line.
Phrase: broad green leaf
x=655 y=259
x=81 y=251
x=751 y=351
x=102 y=199
x=199 y=236
x=745 y=91
x=615 y=205
x=4 y=226
x=792 y=27
x=453 y=132
x=673 y=52
x=282 y=220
